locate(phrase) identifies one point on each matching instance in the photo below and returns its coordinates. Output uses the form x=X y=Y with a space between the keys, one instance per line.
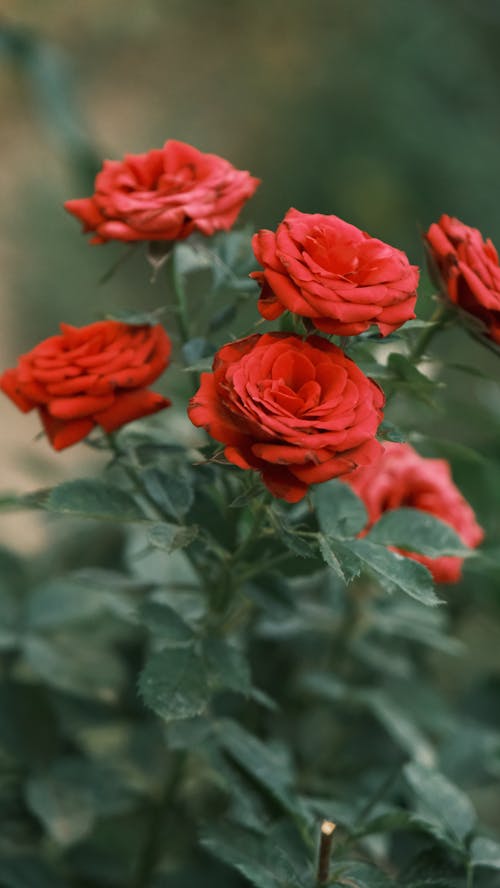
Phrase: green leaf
x=166 y=624
x=75 y=791
x=404 y=618
x=247 y=806
x=336 y=553
x=195 y=350
x=77 y=666
x=231 y=258
x=189 y=604
x=400 y=727
x=391 y=821
x=135 y=318
x=442 y=807
x=410 y=378
x=340 y=512
x=417 y=531
x=360 y=875
x=394 y=571
x=485 y=852
x=173 y=494
x=289 y=535
x=265 y=862
x=330 y=558
x=170 y=537
x=392 y=717
x=227 y=666
x=390 y=432
x=190 y=733
x=81 y=595
x=381 y=658
x=173 y=683
x=72 y=599
x=91 y=498
x=66 y=811
x=267 y=766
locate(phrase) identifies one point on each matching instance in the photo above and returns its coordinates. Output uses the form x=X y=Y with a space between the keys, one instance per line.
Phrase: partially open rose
x=297 y=411
x=325 y=269
x=165 y=194
x=401 y=477
x=88 y=376
x=469 y=269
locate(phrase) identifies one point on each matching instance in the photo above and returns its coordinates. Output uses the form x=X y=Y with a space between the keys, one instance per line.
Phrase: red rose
x=404 y=478
x=469 y=268
x=88 y=376
x=164 y=194
x=325 y=269
x=298 y=411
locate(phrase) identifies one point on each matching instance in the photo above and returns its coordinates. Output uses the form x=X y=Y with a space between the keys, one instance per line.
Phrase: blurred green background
x=385 y=113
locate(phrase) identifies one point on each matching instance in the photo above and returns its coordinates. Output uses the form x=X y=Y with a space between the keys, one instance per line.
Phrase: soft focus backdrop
x=384 y=113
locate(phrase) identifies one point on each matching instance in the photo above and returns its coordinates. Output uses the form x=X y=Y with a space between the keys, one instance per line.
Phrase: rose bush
x=88 y=376
x=164 y=194
x=325 y=269
x=469 y=269
x=298 y=411
x=401 y=477
x=194 y=672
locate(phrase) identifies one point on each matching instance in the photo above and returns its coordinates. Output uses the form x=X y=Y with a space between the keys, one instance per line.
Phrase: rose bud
x=297 y=411
x=469 y=270
x=90 y=376
x=403 y=478
x=343 y=280
x=163 y=195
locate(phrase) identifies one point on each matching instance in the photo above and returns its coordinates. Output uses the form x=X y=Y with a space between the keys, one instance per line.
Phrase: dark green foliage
x=182 y=703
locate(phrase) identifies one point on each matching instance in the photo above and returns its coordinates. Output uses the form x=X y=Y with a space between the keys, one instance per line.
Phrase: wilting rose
x=165 y=194
x=88 y=376
x=325 y=269
x=403 y=478
x=469 y=269
x=297 y=411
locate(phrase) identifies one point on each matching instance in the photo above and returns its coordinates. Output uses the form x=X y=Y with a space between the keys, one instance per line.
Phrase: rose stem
x=176 y=287
x=437 y=320
x=325 y=848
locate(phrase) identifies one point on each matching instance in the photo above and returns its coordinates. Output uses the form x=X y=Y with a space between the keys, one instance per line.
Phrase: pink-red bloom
x=469 y=269
x=165 y=194
x=325 y=269
x=88 y=376
x=297 y=411
x=403 y=478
